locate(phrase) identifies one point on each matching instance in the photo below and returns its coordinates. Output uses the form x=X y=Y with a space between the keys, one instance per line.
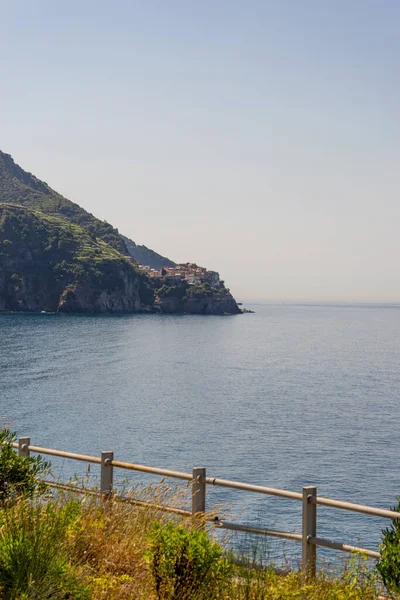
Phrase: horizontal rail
x=361 y=508
x=317 y=541
x=73 y=488
x=153 y=470
x=269 y=532
x=253 y=488
x=169 y=473
x=62 y=454
x=223 y=524
x=368 y=510
x=308 y=497
x=186 y=513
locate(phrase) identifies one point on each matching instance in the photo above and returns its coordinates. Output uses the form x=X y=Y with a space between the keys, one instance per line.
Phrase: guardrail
x=308 y=497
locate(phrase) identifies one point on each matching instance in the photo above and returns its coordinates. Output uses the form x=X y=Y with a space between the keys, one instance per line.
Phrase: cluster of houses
x=189 y=272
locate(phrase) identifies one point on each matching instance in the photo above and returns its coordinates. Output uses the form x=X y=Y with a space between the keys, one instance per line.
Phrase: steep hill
x=55 y=256
x=145 y=256
x=19 y=187
x=49 y=264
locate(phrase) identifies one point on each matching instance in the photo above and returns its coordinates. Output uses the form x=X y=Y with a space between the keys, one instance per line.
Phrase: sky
x=257 y=138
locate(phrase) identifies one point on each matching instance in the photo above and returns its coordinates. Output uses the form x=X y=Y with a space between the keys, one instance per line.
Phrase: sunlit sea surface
x=289 y=396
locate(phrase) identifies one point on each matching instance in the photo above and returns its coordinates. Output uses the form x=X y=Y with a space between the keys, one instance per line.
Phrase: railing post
x=107 y=473
x=309 y=529
x=199 y=491
x=23 y=446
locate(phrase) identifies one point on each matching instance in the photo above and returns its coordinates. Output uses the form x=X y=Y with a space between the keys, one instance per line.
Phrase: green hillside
x=47 y=263
x=55 y=256
x=19 y=187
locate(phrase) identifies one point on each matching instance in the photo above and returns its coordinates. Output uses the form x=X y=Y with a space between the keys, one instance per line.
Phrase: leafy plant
x=186 y=564
x=389 y=564
x=34 y=561
x=19 y=476
x=165 y=291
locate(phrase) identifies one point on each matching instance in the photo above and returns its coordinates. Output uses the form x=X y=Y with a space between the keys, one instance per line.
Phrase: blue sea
x=289 y=396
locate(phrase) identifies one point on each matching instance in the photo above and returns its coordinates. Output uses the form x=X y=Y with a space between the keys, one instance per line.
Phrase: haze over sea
x=289 y=396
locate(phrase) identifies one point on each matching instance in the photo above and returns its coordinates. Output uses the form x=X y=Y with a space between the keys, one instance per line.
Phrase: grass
x=82 y=549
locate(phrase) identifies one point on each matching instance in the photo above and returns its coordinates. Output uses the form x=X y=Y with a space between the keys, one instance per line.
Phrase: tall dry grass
x=82 y=548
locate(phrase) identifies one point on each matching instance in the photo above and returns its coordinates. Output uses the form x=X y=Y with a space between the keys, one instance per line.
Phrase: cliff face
x=49 y=264
x=218 y=304
x=86 y=297
x=184 y=298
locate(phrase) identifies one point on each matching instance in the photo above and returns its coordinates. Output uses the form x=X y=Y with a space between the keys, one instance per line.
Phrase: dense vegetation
x=19 y=476
x=389 y=564
x=19 y=187
x=81 y=548
x=206 y=290
x=44 y=259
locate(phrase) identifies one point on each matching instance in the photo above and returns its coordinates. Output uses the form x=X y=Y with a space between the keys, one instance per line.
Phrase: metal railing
x=199 y=481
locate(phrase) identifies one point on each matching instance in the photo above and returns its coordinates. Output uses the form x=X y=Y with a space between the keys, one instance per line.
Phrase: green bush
x=186 y=564
x=200 y=291
x=389 y=564
x=19 y=476
x=33 y=554
x=165 y=291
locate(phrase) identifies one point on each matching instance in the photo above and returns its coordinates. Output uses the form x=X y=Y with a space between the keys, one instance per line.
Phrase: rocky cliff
x=49 y=264
x=217 y=304
x=192 y=299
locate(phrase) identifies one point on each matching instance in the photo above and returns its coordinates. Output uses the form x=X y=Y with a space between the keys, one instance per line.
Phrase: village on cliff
x=189 y=272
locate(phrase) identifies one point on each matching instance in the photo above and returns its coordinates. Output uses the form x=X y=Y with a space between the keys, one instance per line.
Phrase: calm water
x=290 y=396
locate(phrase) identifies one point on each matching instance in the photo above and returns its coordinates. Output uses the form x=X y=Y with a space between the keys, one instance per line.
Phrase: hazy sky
x=259 y=138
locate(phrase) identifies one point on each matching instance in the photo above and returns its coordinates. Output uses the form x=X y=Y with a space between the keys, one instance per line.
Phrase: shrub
x=200 y=291
x=354 y=582
x=19 y=476
x=186 y=564
x=33 y=555
x=389 y=564
x=165 y=291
